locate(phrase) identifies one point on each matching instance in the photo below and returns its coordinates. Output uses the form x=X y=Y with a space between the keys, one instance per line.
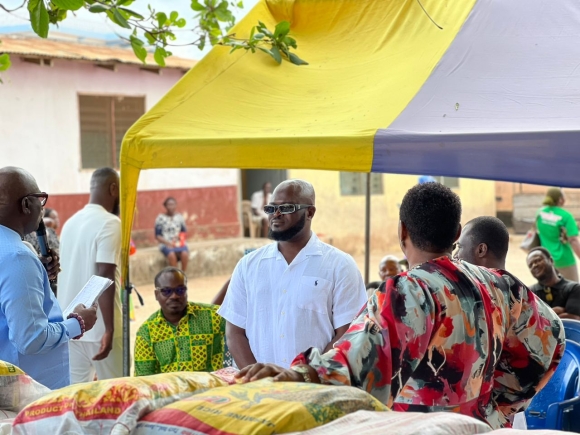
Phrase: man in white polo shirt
x=90 y=244
x=294 y=294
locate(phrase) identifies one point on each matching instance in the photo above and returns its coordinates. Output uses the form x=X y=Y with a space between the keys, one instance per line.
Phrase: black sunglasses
x=42 y=196
x=166 y=291
x=285 y=208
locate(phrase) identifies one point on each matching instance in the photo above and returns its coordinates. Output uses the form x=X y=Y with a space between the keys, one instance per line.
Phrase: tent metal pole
x=368 y=228
x=126 y=327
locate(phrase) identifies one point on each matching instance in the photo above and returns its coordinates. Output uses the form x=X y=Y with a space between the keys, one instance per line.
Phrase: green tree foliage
x=154 y=32
x=276 y=44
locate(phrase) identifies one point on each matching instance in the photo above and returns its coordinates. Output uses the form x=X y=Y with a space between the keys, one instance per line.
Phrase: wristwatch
x=304 y=371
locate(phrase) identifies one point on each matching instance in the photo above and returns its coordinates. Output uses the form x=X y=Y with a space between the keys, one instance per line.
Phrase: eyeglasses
x=285 y=208
x=167 y=291
x=42 y=196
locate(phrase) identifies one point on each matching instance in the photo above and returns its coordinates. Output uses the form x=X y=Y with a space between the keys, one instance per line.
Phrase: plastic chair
x=254 y=228
x=555 y=405
x=564 y=415
x=572 y=330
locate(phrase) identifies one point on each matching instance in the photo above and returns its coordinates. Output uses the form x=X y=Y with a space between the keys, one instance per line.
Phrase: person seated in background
x=258 y=201
x=170 y=231
x=484 y=241
x=389 y=266
x=51 y=221
x=443 y=336
x=182 y=335
x=558 y=292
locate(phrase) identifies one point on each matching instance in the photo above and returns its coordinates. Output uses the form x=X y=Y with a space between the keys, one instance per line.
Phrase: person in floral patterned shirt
x=443 y=336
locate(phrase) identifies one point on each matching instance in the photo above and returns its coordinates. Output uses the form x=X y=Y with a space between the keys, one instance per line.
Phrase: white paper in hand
x=89 y=294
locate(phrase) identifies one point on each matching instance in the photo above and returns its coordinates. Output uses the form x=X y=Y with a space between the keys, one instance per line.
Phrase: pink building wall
x=40 y=131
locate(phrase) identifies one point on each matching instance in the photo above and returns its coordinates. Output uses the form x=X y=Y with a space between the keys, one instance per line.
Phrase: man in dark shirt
x=559 y=293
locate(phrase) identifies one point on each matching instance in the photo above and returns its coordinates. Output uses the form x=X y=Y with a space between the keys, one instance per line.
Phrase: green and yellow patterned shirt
x=195 y=344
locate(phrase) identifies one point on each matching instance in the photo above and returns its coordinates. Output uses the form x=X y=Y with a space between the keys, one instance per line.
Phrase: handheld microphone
x=43 y=239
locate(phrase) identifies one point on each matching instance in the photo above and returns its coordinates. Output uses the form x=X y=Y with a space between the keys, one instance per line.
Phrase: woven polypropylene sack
x=402 y=423
x=262 y=407
x=17 y=389
x=111 y=406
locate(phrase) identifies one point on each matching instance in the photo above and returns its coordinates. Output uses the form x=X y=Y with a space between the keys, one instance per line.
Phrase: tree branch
x=12 y=10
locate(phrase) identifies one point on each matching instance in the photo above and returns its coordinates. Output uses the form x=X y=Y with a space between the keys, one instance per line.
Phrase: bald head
x=15 y=183
x=19 y=212
x=105 y=189
x=301 y=190
x=102 y=178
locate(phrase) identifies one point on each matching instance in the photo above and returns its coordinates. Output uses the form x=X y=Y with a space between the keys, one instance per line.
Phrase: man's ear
x=403 y=232
x=114 y=190
x=310 y=212
x=25 y=205
x=481 y=250
x=458 y=233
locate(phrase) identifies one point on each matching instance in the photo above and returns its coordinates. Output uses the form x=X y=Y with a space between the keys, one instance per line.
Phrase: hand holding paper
x=90 y=293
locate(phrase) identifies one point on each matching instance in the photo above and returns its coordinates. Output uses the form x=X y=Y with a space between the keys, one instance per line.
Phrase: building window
x=355 y=183
x=450 y=182
x=104 y=121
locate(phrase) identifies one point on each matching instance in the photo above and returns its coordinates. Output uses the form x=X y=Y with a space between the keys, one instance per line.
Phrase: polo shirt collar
x=313 y=247
x=95 y=206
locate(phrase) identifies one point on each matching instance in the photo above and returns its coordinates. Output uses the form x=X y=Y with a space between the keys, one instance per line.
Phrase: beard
x=117 y=207
x=288 y=234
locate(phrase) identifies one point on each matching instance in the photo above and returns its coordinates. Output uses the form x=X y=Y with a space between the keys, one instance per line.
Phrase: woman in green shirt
x=558 y=233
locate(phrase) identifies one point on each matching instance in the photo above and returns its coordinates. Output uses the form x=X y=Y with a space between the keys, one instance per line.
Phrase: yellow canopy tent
x=488 y=96
x=367 y=59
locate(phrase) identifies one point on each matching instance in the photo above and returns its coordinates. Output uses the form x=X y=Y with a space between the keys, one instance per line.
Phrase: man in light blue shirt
x=33 y=334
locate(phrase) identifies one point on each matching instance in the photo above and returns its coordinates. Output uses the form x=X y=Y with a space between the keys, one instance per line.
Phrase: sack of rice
x=402 y=423
x=262 y=407
x=531 y=432
x=111 y=406
x=227 y=374
x=6 y=420
x=17 y=389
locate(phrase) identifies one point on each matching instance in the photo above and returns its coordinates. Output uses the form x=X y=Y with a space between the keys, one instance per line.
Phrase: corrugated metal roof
x=52 y=48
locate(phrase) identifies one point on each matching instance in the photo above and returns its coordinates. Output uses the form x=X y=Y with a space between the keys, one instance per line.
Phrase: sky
x=87 y=24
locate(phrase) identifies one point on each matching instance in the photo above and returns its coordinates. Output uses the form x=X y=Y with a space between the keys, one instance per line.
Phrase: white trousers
x=82 y=366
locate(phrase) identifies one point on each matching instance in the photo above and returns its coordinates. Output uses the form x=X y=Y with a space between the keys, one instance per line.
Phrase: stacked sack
x=403 y=423
x=17 y=390
x=111 y=406
x=262 y=407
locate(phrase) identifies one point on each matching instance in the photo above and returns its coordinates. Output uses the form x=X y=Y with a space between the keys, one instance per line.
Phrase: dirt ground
x=204 y=289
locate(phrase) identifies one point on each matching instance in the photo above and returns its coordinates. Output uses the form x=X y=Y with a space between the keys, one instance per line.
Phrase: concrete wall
x=505 y=192
x=342 y=218
x=39 y=127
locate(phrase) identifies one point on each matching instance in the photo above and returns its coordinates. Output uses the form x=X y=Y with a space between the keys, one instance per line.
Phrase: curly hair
x=432 y=214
